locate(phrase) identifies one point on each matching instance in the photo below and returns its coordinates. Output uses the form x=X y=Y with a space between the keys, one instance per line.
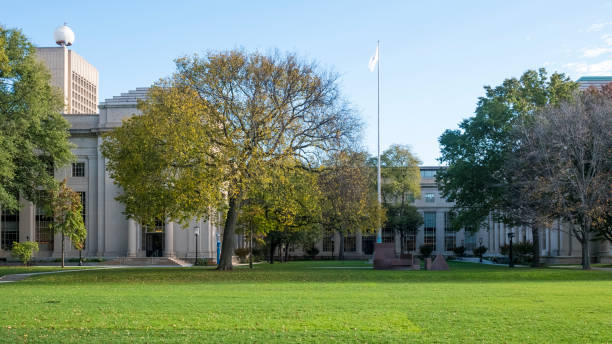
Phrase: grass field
x=310 y=303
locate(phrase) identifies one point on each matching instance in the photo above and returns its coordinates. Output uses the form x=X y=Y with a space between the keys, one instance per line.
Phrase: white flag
x=373 y=60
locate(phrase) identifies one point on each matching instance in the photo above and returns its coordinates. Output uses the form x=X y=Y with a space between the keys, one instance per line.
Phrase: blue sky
x=435 y=56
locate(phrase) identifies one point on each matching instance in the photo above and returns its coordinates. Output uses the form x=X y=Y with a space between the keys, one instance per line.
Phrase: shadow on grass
x=323 y=272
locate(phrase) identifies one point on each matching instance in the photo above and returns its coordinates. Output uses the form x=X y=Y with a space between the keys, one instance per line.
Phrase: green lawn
x=20 y=269
x=310 y=303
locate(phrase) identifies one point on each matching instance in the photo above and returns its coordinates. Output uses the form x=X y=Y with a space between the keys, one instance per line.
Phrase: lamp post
x=196 y=231
x=218 y=248
x=479 y=248
x=510 y=236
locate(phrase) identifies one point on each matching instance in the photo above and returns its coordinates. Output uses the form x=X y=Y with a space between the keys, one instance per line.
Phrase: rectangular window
x=44 y=233
x=388 y=236
x=328 y=243
x=428 y=173
x=430 y=229
x=9 y=223
x=78 y=169
x=430 y=197
x=470 y=238
x=410 y=241
x=450 y=236
x=350 y=244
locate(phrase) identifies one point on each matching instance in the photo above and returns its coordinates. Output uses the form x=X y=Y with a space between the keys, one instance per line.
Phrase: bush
x=522 y=252
x=242 y=252
x=459 y=250
x=312 y=252
x=426 y=250
x=24 y=250
x=480 y=251
x=200 y=262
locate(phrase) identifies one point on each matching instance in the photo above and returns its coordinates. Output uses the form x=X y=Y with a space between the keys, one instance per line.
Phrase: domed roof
x=63 y=35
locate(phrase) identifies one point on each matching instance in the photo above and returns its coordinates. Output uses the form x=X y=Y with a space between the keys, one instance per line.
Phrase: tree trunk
x=272 y=249
x=63 y=246
x=286 y=252
x=586 y=250
x=251 y=248
x=341 y=246
x=227 y=246
x=535 y=232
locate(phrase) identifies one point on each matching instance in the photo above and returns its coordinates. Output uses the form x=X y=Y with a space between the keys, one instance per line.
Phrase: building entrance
x=154 y=244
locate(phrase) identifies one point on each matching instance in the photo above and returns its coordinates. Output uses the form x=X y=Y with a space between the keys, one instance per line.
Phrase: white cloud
x=599 y=68
x=597 y=27
x=595 y=52
x=607 y=38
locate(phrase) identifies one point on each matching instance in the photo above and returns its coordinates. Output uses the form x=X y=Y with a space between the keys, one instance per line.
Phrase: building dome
x=63 y=35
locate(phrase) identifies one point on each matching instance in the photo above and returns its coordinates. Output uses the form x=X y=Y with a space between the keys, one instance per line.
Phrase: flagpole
x=379 y=233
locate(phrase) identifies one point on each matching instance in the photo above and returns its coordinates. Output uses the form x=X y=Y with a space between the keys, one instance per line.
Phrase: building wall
x=75 y=77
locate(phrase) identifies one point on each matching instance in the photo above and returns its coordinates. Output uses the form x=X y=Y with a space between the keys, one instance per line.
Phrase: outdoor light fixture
x=196 y=231
x=510 y=236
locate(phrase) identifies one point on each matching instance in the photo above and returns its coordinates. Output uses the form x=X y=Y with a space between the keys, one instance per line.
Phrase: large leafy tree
x=401 y=177
x=284 y=207
x=218 y=124
x=477 y=152
x=568 y=147
x=349 y=202
x=33 y=133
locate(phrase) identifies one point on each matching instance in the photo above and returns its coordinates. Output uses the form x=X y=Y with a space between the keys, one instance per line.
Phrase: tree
x=569 y=145
x=284 y=207
x=477 y=152
x=401 y=175
x=349 y=201
x=401 y=184
x=404 y=219
x=217 y=124
x=67 y=210
x=33 y=133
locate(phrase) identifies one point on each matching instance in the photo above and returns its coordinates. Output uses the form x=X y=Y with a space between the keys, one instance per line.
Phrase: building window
x=410 y=241
x=78 y=169
x=388 y=236
x=470 y=238
x=428 y=173
x=9 y=224
x=430 y=197
x=350 y=244
x=430 y=229
x=44 y=233
x=450 y=235
x=328 y=243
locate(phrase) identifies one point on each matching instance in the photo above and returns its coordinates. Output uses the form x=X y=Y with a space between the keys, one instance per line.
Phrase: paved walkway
x=22 y=276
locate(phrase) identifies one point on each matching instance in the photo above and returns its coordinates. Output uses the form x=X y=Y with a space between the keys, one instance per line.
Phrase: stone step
x=145 y=261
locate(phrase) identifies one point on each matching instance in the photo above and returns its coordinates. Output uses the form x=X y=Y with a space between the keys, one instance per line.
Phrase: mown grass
x=310 y=302
x=20 y=269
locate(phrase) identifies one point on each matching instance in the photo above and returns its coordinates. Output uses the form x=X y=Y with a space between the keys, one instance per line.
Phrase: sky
x=435 y=56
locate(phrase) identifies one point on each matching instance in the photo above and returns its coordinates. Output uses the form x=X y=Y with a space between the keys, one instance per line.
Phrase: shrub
x=242 y=252
x=522 y=252
x=459 y=250
x=24 y=250
x=426 y=250
x=312 y=252
x=480 y=251
x=200 y=262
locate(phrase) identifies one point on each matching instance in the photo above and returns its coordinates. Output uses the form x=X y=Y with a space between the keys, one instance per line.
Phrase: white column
x=169 y=239
x=359 y=241
x=132 y=237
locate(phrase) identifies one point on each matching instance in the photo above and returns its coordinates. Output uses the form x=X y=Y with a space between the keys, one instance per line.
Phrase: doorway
x=154 y=244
